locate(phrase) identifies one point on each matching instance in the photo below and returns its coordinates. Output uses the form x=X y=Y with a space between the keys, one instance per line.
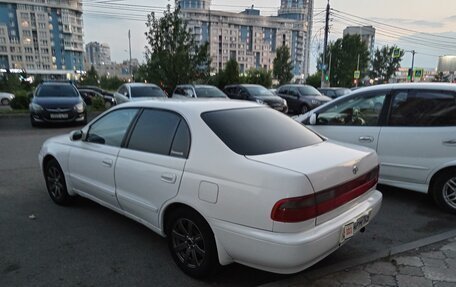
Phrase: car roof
x=424 y=86
x=334 y=88
x=195 y=86
x=56 y=83
x=140 y=85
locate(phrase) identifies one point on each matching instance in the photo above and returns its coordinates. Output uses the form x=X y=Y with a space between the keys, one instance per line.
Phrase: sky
x=426 y=26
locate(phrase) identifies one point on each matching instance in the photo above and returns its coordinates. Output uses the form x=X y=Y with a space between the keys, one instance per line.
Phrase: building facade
x=252 y=39
x=367 y=34
x=98 y=53
x=42 y=37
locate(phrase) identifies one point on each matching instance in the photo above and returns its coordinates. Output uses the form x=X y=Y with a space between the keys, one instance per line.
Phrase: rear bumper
x=287 y=252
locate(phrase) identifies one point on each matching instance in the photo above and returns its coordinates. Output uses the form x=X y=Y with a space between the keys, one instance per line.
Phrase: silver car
x=138 y=91
x=6 y=98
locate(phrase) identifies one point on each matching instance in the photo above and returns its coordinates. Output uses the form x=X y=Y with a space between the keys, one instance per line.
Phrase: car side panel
x=360 y=135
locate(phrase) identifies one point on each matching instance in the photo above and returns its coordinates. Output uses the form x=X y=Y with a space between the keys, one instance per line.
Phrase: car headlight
x=315 y=102
x=284 y=102
x=79 y=107
x=260 y=101
x=35 y=107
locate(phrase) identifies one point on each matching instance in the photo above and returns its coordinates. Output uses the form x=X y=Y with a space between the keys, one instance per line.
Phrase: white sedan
x=6 y=98
x=224 y=181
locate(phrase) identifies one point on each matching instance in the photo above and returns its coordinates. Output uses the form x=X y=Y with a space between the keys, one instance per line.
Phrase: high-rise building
x=42 y=37
x=98 y=54
x=249 y=38
x=367 y=34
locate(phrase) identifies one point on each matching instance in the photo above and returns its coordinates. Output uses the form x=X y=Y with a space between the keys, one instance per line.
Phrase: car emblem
x=355 y=169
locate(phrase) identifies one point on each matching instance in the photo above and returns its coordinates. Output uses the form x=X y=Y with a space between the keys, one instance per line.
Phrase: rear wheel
x=56 y=184
x=5 y=102
x=108 y=105
x=444 y=190
x=192 y=244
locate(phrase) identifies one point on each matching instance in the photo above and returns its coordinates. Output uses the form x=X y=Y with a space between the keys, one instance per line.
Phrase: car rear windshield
x=308 y=90
x=57 y=91
x=209 y=92
x=259 y=91
x=255 y=131
x=146 y=92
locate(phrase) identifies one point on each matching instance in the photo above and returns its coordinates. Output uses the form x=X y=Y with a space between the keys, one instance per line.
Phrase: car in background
x=301 y=98
x=6 y=98
x=138 y=92
x=88 y=95
x=334 y=92
x=106 y=94
x=224 y=181
x=256 y=93
x=57 y=102
x=411 y=126
x=198 y=91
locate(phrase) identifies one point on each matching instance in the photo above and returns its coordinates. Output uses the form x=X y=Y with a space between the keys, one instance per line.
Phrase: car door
x=283 y=93
x=420 y=135
x=293 y=99
x=91 y=161
x=355 y=119
x=149 y=170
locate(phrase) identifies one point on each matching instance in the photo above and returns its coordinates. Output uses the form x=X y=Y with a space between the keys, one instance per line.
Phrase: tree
x=229 y=75
x=314 y=79
x=384 y=65
x=344 y=60
x=282 y=65
x=260 y=77
x=173 y=57
x=90 y=78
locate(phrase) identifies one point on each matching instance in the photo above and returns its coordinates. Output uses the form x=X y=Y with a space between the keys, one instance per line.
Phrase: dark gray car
x=198 y=91
x=301 y=98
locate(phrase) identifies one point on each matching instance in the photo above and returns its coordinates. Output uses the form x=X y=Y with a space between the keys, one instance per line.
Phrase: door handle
x=450 y=142
x=366 y=139
x=168 y=177
x=107 y=162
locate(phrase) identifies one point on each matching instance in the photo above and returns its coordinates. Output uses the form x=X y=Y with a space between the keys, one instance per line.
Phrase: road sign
x=396 y=53
x=356 y=74
x=419 y=73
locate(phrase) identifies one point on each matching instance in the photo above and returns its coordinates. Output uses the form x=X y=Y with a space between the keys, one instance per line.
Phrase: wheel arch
x=438 y=173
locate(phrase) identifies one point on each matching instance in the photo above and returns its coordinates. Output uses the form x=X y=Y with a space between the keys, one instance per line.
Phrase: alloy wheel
x=55 y=182
x=188 y=243
x=449 y=192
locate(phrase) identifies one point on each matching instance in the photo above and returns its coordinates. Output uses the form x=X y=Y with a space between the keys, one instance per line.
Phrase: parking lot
x=42 y=244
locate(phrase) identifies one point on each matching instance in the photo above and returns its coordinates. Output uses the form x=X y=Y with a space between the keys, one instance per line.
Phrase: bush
x=21 y=101
x=98 y=103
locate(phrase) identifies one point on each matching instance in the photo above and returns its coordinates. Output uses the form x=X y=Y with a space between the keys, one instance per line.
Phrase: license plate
x=354 y=226
x=59 y=116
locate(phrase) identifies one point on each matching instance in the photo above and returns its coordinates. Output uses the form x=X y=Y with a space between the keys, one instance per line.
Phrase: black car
x=301 y=98
x=99 y=90
x=334 y=92
x=88 y=94
x=256 y=93
x=57 y=102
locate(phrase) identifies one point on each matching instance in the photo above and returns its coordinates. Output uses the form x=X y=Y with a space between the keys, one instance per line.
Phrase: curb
x=314 y=274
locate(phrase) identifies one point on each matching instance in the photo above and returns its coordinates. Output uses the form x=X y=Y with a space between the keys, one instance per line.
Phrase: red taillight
x=302 y=208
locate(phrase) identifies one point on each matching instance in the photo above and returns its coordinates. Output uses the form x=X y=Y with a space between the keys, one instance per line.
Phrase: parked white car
x=131 y=92
x=6 y=98
x=411 y=126
x=226 y=181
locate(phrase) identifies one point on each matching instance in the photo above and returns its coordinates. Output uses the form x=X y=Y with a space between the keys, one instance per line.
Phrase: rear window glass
x=308 y=90
x=255 y=131
x=146 y=91
x=55 y=91
x=209 y=92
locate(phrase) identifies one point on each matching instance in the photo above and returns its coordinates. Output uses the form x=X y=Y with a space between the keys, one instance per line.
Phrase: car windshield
x=308 y=90
x=209 y=92
x=342 y=92
x=57 y=91
x=147 y=92
x=259 y=91
x=255 y=131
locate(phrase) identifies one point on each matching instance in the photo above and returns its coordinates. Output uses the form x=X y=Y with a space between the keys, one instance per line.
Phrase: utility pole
x=325 y=46
x=129 y=49
x=413 y=61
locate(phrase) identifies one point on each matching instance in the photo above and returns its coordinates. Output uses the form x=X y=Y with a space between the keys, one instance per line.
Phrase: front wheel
x=444 y=190
x=56 y=184
x=5 y=102
x=108 y=105
x=192 y=244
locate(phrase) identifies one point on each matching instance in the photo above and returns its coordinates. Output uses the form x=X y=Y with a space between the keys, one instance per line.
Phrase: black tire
x=108 y=105
x=56 y=184
x=192 y=244
x=5 y=102
x=304 y=109
x=444 y=190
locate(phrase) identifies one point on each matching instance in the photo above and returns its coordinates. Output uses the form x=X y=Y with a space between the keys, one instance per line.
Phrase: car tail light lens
x=296 y=209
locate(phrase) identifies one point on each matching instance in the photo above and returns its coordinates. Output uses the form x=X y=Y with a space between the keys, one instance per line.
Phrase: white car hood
x=326 y=164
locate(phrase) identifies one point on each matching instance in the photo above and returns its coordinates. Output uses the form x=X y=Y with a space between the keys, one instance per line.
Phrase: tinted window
x=342 y=92
x=123 y=90
x=258 y=91
x=111 y=128
x=188 y=92
x=154 y=132
x=146 y=91
x=181 y=142
x=283 y=90
x=308 y=90
x=209 y=92
x=423 y=108
x=179 y=91
x=56 y=91
x=293 y=91
x=359 y=110
x=258 y=131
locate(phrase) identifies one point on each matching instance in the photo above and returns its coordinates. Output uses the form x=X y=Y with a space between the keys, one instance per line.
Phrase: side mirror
x=313 y=119
x=76 y=135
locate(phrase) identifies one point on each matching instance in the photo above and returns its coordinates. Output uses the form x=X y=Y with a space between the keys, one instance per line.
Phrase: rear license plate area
x=351 y=228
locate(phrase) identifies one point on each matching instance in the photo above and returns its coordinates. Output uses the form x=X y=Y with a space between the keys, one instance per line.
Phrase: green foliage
x=172 y=55
x=21 y=100
x=259 y=76
x=229 y=75
x=282 y=65
x=98 y=103
x=314 y=80
x=11 y=83
x=344 y=58
x=384 y=65
x=110 y=83
x=90 y=78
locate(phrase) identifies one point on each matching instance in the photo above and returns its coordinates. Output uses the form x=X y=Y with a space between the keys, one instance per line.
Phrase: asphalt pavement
x=42 y=244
